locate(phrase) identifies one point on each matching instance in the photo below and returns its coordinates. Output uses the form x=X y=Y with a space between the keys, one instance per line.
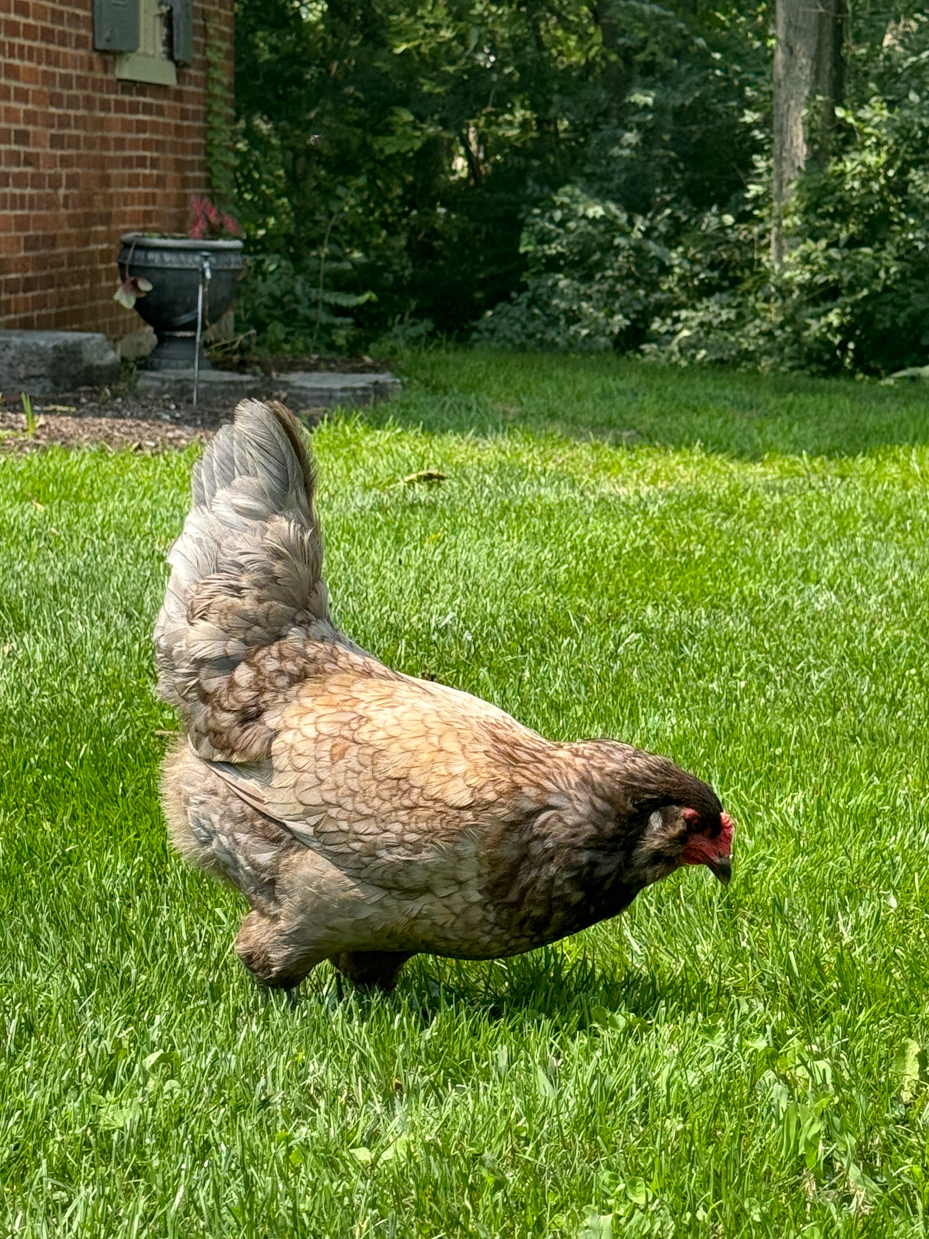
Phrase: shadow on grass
x=629 y=403
x=546 y=986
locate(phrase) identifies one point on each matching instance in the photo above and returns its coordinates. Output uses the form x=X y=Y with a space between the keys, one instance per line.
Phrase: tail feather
x=245 y=574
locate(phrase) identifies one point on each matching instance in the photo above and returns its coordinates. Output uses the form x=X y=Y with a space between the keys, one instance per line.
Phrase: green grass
x=740 y=583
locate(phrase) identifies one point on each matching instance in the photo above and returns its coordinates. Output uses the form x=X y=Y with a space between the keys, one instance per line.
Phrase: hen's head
x=679 y=835
x=666 y=817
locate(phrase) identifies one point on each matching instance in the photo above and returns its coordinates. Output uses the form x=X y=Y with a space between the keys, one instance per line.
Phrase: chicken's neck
x=563 y=869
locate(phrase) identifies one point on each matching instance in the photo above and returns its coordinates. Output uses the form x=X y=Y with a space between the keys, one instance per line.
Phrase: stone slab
x=317 y=389
x=324 y=388
x=137 y=344
x=45 y=362
x=214 y=384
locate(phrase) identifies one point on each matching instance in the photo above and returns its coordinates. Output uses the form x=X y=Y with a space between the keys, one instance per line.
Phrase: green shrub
x=853 y=293
x=700 y=287
x=423 y=137
x=594 y=271
x=600 y=277
x=857 y=281
x=291 y=309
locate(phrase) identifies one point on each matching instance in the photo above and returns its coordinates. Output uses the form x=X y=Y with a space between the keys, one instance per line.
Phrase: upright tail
x=245 y=573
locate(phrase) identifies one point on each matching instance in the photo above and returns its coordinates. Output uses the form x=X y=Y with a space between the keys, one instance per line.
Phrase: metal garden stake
x=202 y=290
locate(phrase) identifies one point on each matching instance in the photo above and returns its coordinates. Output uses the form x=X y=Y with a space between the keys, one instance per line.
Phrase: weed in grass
x=747 y=595
x=31 y=419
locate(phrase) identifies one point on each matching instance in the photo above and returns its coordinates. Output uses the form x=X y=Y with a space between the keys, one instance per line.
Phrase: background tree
x=809 y=77
x=743 y=184
x=441 y=126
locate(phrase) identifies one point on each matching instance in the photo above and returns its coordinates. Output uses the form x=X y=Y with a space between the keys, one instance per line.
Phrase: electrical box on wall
x=150 y=37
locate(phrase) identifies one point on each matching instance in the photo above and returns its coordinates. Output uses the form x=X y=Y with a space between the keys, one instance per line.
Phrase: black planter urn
x=176 y=267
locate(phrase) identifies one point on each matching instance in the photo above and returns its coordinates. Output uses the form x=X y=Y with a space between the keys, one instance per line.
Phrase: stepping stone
x=214 y=384
x=319 y=389
x=45 y=362
x=326 y=388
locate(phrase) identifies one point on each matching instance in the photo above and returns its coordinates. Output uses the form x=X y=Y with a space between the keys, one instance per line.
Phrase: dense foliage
x=564 y=175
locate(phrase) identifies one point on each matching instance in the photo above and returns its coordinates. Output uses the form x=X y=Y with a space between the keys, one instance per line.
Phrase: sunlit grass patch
x=744 y=594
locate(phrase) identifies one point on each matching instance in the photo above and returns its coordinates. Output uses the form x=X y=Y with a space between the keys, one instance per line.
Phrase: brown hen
x=366 y=815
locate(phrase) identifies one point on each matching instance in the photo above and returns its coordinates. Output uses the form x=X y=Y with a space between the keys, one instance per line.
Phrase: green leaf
x=546 y=1088
x=597 y=1226
x=910 y=1066
x=161 y=1059
x=637 y=1191
x=395 y=1149
x=126 y=296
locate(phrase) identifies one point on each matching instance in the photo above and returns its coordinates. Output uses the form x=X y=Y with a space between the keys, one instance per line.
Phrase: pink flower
x=209 y=221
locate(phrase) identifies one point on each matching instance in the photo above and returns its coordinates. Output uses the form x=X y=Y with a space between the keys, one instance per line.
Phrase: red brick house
x=107 y=111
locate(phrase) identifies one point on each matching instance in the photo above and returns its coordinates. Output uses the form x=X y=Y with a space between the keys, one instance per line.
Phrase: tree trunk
x=617 y=77
x=809 y=72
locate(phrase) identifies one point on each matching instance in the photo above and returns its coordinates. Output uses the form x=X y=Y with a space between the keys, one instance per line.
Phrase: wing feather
x=405 y=767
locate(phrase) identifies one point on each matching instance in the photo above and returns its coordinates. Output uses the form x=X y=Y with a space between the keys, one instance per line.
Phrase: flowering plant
x=209 y=222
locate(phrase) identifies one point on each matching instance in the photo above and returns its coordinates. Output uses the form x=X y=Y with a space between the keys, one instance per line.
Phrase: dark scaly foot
x=372 y=969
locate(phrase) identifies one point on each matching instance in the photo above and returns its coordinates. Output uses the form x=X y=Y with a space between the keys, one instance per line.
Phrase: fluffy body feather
x=367 y=815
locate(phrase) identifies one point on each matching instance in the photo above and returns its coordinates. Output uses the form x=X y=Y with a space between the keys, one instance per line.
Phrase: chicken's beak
x=722 y=868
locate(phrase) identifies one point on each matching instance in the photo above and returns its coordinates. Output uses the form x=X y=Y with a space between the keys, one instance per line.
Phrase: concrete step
x=306 y=388
x=45 y=362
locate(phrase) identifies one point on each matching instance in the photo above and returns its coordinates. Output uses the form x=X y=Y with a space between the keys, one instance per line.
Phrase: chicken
x=366 y=815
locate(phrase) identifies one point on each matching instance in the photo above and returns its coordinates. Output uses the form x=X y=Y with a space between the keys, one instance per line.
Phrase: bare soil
x=117 y=420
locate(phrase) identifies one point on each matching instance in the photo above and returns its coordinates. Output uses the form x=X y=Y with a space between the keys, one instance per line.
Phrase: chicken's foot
x=372 y=969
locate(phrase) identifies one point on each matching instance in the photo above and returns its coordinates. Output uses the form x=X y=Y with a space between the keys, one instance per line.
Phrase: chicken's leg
x=372 y=969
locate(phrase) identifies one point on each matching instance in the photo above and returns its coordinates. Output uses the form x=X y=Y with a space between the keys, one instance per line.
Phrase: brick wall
x=85 y=157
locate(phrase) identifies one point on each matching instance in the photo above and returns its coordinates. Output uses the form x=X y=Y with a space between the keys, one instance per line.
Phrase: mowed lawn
x=728 y=569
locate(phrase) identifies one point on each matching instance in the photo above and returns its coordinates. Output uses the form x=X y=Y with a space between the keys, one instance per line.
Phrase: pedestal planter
x=176 y=267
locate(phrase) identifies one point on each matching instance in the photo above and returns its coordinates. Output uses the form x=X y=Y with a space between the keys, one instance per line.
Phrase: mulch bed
x=146 y=423
x=143 y=423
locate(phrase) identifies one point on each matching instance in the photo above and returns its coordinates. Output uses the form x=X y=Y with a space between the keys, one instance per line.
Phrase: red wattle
x=700 y=849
